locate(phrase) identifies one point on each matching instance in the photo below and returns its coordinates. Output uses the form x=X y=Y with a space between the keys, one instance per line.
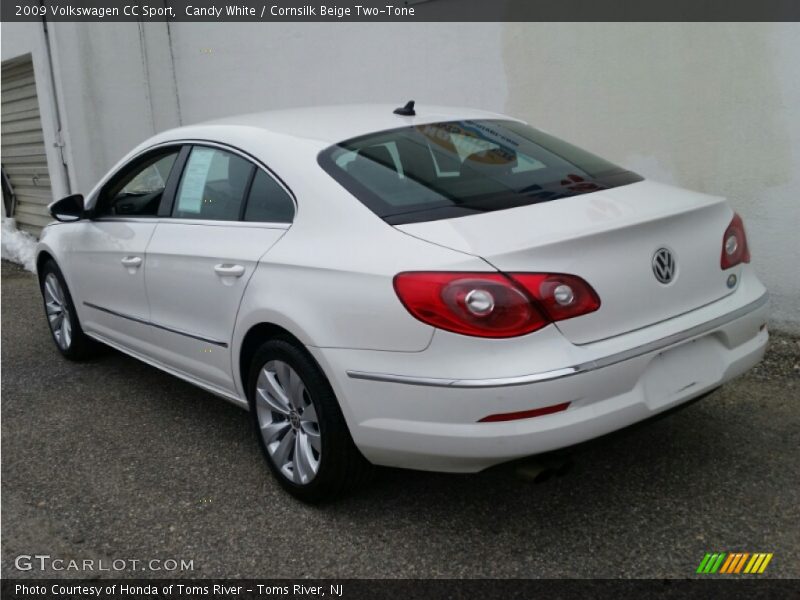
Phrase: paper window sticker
x=193 y=185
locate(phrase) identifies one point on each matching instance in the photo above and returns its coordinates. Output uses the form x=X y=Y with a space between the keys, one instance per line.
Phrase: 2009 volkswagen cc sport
x=432 y=288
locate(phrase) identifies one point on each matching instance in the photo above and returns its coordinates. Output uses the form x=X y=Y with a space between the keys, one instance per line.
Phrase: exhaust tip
x=542 y=469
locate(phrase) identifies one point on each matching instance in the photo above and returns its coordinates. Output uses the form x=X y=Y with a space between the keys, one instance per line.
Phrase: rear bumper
x=430 y=420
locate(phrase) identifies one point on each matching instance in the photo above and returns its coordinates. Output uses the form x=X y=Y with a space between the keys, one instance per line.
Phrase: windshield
x=457 y=168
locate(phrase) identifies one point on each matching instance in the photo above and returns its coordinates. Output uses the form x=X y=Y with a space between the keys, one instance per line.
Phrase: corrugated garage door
x=23 y=150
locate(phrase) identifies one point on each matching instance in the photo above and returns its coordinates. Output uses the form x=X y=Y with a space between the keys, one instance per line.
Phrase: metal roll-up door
x=23 y=147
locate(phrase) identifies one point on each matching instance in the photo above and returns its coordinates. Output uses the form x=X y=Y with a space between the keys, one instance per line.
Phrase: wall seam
x=146 y=69
x=174 y=74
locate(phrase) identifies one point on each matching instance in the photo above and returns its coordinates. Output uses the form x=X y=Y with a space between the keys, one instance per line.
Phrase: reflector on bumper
x=525 y=414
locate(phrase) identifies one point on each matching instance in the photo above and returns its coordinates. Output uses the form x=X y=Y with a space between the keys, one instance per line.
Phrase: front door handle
x=132 y=262
x=226 y=270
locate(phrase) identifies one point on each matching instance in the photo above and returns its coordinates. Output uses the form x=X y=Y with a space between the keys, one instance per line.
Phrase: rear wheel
x=300 y=426
x=61 y=315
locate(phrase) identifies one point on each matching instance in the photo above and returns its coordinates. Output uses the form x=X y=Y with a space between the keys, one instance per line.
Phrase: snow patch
x=18 y=246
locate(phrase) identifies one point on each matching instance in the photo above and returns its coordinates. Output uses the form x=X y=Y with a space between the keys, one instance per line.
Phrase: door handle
x=133 y=262
x=226 y=270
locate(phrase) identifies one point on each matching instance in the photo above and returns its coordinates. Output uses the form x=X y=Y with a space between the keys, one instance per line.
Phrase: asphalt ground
x=114 y=459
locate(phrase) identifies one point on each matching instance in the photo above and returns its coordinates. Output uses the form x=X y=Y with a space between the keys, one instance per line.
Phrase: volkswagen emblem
x=664 y=266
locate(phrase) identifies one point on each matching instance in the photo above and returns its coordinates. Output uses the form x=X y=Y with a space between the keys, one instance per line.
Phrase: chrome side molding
x=156 y=325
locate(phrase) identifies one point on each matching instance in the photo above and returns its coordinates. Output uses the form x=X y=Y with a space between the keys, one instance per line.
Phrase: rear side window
x=457 y=168
x=268 y=201
x=213 y=185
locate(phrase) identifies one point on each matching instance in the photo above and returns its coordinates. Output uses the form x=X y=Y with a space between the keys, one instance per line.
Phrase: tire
x=61 y=316
x=300 y=426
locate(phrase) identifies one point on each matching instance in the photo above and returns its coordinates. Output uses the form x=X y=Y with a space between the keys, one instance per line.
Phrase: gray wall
x=712 y=107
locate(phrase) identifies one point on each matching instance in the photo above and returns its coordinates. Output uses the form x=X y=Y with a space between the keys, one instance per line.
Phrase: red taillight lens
x=560 y=296
x=493 y=305
x=734 y=244
x=480 y=304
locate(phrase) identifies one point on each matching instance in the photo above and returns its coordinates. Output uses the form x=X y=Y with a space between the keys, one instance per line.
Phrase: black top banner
x=402 y=10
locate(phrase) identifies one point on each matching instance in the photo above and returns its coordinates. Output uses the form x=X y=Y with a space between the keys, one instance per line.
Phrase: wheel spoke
x=313 y=437
x=271 y=403
x=283 y=372
x=283 y=448
x=270 y=390
x=50 y=289
x=298 y=466
x=309 y=414
x=59 y=318
x=310 y=426
x=54 y=287
x=296 y=390
x=304 y=462
x=59 y=292
x=272 y=431
x=66 y=331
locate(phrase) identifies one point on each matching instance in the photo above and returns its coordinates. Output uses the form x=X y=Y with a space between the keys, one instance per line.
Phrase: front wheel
x=61 y=315
x=300 y=426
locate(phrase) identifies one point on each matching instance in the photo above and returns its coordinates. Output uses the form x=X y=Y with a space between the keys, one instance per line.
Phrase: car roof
x=333 y=124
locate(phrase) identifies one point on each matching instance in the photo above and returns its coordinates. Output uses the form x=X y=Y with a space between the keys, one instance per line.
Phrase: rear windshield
x=457 y=168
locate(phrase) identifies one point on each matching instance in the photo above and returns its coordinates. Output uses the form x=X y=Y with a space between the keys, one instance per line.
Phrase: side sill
x=225 y=395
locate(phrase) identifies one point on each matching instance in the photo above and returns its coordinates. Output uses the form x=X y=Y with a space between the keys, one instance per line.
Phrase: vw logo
x=664 y=266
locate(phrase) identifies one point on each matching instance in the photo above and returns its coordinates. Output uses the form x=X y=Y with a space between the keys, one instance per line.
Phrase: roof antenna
x=407 y=110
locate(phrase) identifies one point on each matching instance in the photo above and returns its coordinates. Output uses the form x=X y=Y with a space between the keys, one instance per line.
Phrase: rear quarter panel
x=329 y=280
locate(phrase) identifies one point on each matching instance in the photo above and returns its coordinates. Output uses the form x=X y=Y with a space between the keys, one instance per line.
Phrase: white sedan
x=434 y=288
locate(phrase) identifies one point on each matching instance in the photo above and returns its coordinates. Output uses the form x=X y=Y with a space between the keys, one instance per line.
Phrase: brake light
x=734 y=244
x=493 y=305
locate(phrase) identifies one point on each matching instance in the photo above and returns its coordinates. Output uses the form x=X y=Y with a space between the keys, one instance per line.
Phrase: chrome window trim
x=92 y=199
x=204 y=222
x=251 y=159
x=586 y=367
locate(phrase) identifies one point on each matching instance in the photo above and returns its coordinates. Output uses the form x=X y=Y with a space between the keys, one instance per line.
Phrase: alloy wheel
x=57 y=311
x=288 y=422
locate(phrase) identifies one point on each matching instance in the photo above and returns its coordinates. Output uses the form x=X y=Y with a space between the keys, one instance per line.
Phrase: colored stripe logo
x=734 y=563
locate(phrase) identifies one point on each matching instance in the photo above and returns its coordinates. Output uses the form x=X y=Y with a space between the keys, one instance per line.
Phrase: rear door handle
x=132 y=262
x=225 y=270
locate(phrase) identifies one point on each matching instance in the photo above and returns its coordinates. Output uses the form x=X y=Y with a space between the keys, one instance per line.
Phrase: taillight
x=560 y=296
x=493 y=305
x=734 y=244
x=480 y=304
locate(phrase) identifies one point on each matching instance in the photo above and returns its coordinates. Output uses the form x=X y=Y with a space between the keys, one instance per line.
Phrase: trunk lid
x=609 y=238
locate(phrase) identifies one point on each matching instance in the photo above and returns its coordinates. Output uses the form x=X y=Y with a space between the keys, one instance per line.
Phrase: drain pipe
x=59 y=143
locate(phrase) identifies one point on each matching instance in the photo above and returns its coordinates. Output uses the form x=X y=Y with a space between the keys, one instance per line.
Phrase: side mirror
x=67 y=209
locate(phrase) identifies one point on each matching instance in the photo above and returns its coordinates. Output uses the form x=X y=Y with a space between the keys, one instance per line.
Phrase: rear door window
x=213 y=185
